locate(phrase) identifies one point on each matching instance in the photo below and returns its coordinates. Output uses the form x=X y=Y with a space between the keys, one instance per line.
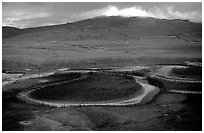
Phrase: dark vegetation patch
x=189 y=118
x=168 y=84
x=96 y=87
x=155 y=81
x=140 y=73
x=189 y=72
x=32 y=82
x=11 y=72
x=12 y=115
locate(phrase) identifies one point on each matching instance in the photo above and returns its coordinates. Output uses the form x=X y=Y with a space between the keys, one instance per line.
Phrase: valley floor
x=168 y=111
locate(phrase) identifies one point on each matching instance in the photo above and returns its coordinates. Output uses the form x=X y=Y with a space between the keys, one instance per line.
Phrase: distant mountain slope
x=9 y=31
x=110 y=28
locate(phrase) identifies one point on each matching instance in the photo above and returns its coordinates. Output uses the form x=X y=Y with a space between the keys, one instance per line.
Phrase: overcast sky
x=23 y=15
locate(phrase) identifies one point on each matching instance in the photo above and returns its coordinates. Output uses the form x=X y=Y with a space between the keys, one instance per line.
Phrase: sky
x=34 y=14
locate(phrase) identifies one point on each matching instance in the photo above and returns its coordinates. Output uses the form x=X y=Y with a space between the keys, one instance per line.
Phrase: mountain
x=109 y=28
x=9 y=31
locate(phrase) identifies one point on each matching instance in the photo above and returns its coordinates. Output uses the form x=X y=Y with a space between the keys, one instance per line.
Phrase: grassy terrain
x=44 y=55
x=113 y=42
x=101 y=41
x=194 y=72
x=167 y=112
x=97 y=87
x=110 y=28
x=167 y=84
x=62 y=76
x=141 y=72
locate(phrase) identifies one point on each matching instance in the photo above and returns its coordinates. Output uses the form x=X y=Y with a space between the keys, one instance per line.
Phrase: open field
x=23 y=56
x=167 y=111
x=163 y=110
x=140 y=68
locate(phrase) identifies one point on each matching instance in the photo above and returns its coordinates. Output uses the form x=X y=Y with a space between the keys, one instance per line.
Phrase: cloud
x=28 y=15
x=127 y=12
x=136 y=11
x=114 y=11
x=21 y=15
x=192 y=16
x=18 y=18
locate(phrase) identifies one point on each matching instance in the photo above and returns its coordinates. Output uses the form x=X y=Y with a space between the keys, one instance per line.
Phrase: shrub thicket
x=191 y=72
x=96 y=87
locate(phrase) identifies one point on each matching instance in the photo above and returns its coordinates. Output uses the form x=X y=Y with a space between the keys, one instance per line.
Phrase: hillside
x=109 y=28
x=10 y=31
x=101 y=42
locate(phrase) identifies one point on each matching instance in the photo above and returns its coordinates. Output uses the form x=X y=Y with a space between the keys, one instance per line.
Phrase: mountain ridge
x=109 y=28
